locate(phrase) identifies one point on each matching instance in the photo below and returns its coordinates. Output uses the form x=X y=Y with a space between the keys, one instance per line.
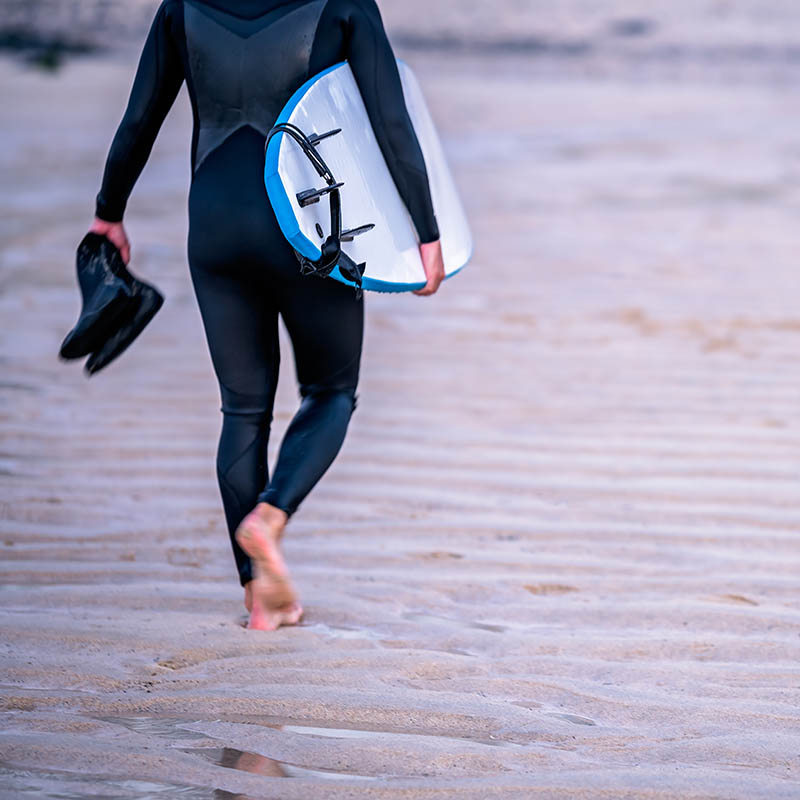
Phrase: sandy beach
x=558 y=555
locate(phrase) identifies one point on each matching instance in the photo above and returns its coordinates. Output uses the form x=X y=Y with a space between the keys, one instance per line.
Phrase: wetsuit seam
x=249 y=19
x=336 y=372
x=229 y=467
x=224 y=479
x=246 y=574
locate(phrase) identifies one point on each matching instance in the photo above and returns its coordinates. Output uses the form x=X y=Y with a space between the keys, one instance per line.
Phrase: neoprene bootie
x=144 y=302
x=105 y=295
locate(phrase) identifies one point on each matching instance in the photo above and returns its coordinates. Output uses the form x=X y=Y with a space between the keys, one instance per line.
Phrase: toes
x=263 y=622
x=292 y=615
x=272 y=620
x=295 y=618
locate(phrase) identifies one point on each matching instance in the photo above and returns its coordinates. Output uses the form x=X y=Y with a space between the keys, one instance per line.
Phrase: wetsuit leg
x=325 y=321
x=241 y=328
x=245 y=275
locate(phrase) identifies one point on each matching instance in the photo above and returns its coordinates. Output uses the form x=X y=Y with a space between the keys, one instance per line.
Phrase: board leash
x=331 y=249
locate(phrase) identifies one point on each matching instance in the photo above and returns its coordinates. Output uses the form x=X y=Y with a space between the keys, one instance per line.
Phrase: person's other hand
x=431 y=254
x=115 y=233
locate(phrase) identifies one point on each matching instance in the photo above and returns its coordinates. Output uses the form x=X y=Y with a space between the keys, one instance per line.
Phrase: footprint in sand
x=439 y=554
x=549 y=588
x=483 y=626
x=529 y=704
x=735 y=598
x=188 y=556
x=573 y=718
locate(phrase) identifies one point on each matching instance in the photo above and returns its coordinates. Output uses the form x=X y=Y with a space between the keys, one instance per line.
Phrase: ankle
x=275 y=518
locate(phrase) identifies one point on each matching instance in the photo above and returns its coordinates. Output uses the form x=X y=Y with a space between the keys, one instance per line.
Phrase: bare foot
x=289 y=615
x=273 y=600
x=263 y=619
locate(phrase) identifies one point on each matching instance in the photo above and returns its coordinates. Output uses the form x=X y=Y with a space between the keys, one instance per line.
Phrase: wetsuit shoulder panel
x=243 y=70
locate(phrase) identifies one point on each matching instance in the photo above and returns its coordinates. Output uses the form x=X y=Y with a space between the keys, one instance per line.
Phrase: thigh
x=325 y=321
x=240 y=318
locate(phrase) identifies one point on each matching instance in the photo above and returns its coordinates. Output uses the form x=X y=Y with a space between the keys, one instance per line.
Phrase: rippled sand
x=558 y=554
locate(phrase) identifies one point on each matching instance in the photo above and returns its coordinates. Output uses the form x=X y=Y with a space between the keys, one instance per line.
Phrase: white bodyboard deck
x=332 y=100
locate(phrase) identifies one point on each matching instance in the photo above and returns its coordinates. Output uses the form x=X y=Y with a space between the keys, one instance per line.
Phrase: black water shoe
x=141 y=308
x=105 y=295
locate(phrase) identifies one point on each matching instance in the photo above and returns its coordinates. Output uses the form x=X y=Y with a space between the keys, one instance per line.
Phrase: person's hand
x=115 y=233
x=431 y=254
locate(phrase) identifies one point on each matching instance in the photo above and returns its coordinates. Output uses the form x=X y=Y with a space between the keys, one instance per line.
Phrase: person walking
x=241 y=61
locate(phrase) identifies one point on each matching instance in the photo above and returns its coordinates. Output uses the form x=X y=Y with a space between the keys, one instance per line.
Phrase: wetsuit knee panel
x=343 y=395
x=258 y=407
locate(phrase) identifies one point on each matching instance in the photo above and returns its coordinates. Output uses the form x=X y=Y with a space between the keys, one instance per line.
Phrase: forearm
x=127 y=156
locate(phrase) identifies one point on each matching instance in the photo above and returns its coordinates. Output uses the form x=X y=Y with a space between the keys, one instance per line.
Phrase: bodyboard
x=331 y=101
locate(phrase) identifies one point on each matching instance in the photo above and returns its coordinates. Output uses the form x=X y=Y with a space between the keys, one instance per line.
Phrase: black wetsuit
x=242 y=60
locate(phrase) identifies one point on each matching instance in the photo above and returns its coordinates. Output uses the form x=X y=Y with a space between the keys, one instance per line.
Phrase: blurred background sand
x=558 y=554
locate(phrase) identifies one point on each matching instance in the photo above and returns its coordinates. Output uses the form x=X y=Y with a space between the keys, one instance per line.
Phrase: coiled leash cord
x=331 y=248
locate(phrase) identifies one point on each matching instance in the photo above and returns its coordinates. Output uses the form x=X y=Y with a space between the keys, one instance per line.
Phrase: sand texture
x=558 y=554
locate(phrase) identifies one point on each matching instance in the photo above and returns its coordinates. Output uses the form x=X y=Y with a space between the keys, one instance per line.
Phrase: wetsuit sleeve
x=375 y=69
x=158 y=79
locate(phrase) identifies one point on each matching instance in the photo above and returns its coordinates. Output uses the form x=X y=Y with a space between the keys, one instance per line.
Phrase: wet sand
x=558 y=554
